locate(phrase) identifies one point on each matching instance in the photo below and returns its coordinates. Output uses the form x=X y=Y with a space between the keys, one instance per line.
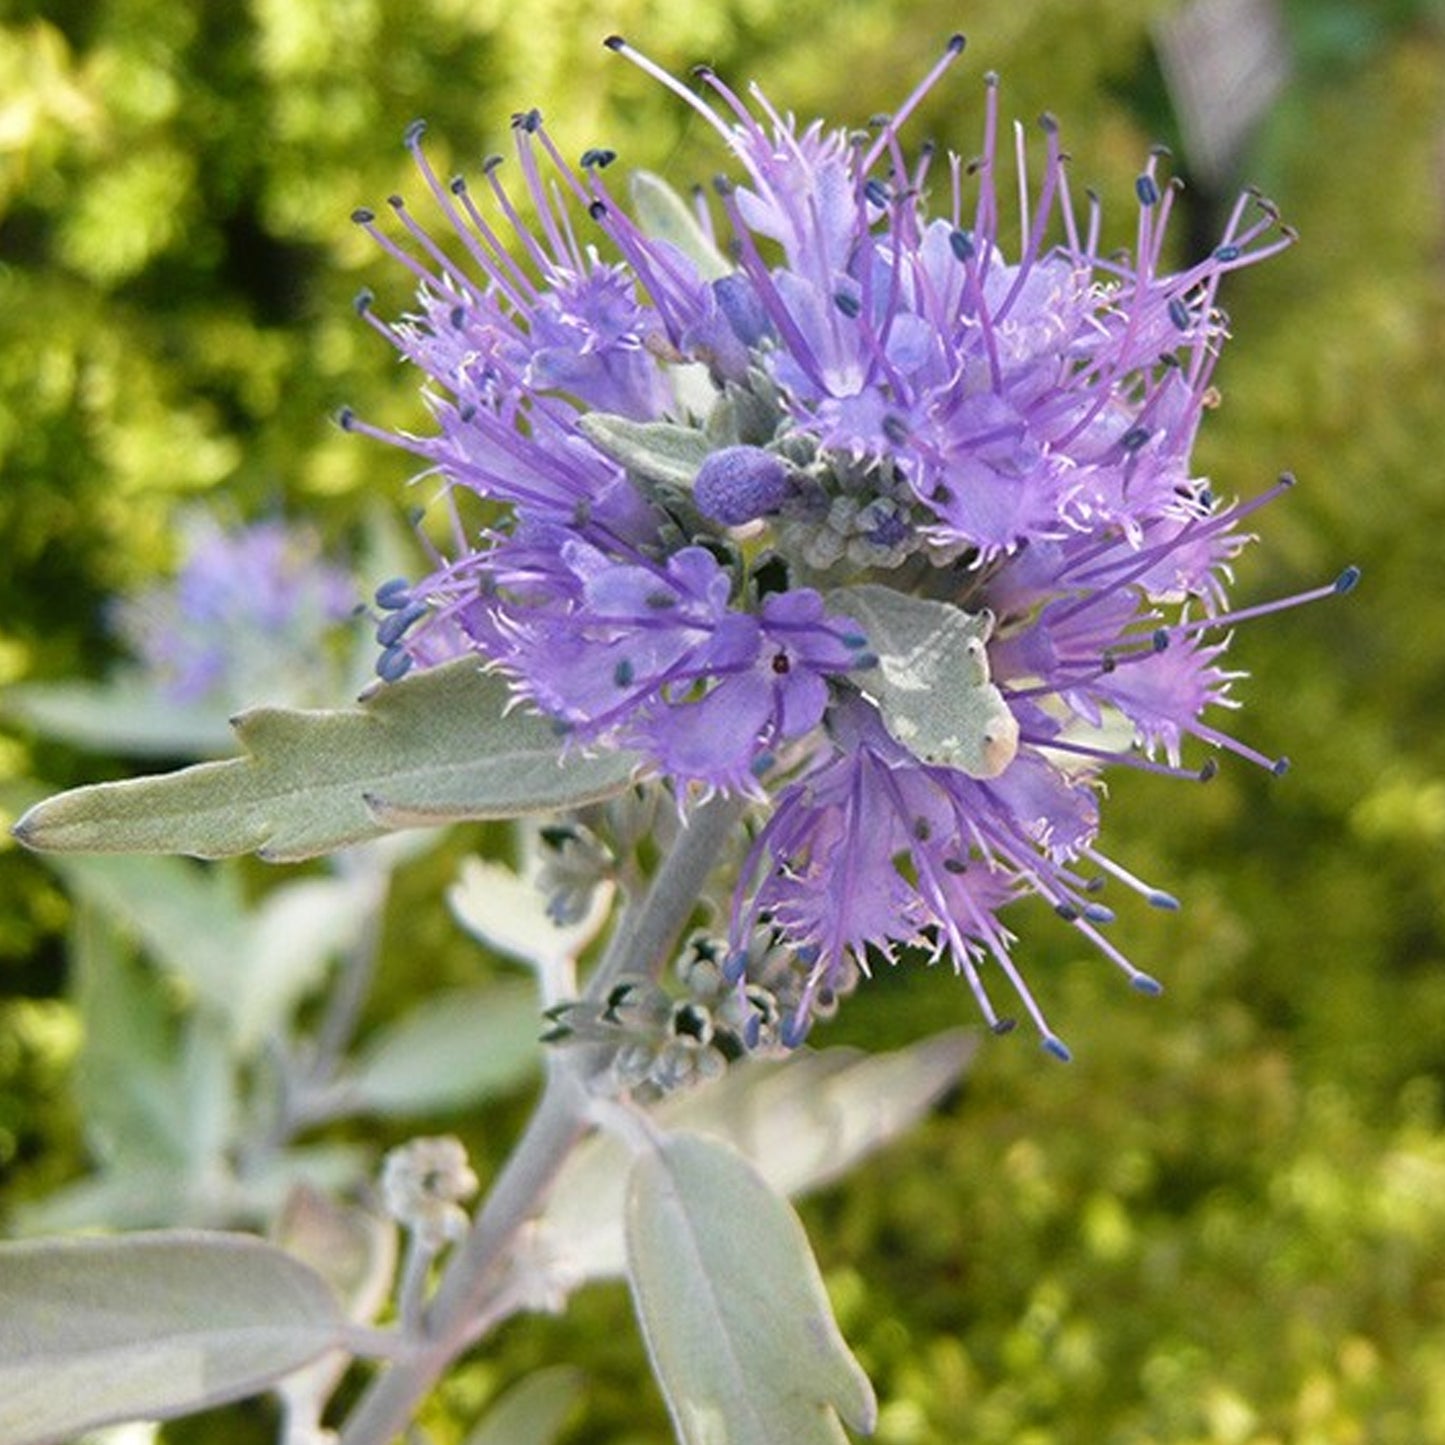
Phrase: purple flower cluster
x=252 y=615
x=846 y=505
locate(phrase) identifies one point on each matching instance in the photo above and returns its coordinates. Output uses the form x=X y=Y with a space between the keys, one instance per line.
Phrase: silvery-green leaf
x=737 y=1323
x=509 y=913
x=449 y=1051
x=932 y=684
x=209 y=1101
x=436 y=747
x=130 y=1194
x=124 y=716
x=354 y=1251
x=295 y=932
x=532 y=1411
x=150 y=1326
x=663 y=215
x=803 y=1123
x=190 y=920
x=127 y=1080
x=351 y=1248
x=137 y=1193
x=656 y=451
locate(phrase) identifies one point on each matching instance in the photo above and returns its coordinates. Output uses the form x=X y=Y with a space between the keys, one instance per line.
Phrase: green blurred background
x=1225 y=1222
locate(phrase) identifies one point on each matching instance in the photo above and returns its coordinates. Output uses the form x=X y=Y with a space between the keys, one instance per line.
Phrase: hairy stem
x=643 y=937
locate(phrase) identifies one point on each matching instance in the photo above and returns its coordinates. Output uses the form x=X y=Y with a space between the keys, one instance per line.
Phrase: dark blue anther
x=363 y=215
x=393 y=664
x=1226 y=253
x=364 y=299
x=1145 y=983
x=393 y=594
x=1134 y=439
x=393 y=627
x=847 y=303
x=413 y=133
x=961 y=244
x=457 y=185
x=597 y=210
x=1179 y=313
x=878 y=193
x=1004 y=1026
x=895 y=429
x=1147 y=191
x=598 y=157
x=1348 y=580
x=614 y=42
x=623 y=673
x=1099 y=913
x=527 y=120
x=346 y=418
x=1054 y=1045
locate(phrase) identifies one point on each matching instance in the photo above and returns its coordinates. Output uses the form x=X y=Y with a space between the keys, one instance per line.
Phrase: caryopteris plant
x=810 y=551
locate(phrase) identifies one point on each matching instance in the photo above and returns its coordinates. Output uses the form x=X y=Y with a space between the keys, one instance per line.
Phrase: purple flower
x=709 y=451
x=252 y=615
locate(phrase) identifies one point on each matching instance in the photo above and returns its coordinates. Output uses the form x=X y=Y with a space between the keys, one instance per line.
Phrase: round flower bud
x=740 y=484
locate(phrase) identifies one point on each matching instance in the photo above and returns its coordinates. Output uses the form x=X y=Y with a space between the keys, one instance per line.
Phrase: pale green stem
x=643 y=938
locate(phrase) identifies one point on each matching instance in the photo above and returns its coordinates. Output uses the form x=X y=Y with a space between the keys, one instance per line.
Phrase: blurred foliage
x=1224 y=1223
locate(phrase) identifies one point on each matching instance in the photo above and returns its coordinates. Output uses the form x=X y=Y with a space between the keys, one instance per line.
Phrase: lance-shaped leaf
x=126 y=715
x=434 y=748
x=149 y=1326
x=449 y=1051
x=802 y=1123
x=663 y=215
x=932 y=681
x=737 y=1323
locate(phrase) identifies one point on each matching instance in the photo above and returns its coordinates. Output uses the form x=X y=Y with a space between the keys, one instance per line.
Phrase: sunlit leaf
x=437 y=747
x=803 y=1123
x=508 y=912
x=733 y=1310
x=932 y=681
x=150 y=1326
